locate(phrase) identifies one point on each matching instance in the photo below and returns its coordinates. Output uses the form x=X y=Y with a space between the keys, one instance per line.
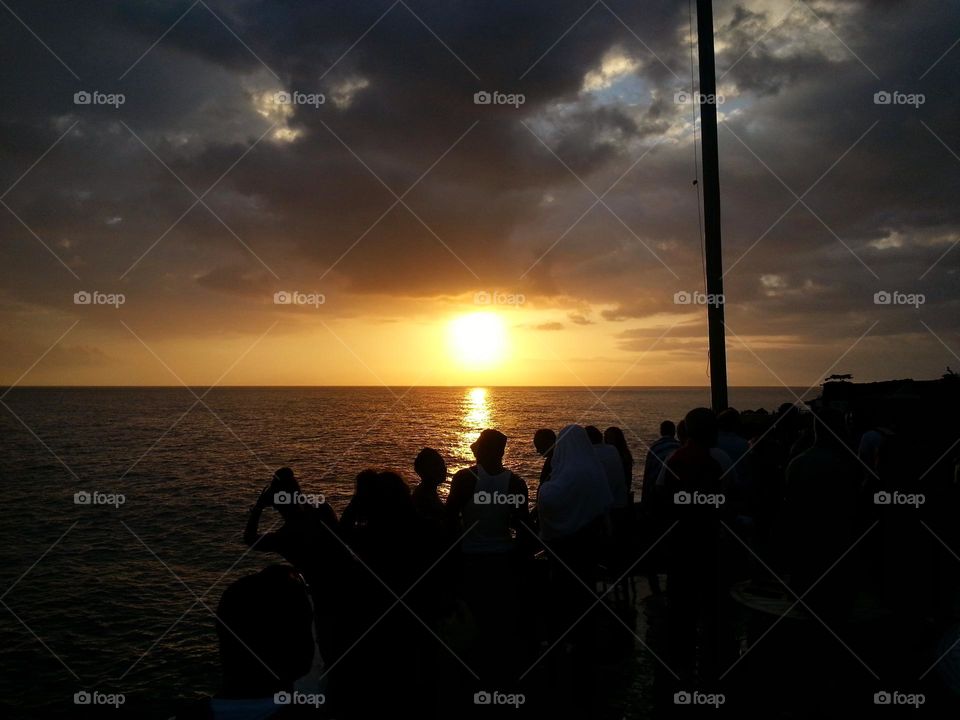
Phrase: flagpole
x=711 y=205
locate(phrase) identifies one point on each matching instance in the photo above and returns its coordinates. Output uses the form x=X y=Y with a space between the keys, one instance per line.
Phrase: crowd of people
x=443 y=604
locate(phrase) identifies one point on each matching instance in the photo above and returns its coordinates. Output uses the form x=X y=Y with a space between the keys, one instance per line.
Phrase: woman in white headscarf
x=573 y=508
x=577 y=493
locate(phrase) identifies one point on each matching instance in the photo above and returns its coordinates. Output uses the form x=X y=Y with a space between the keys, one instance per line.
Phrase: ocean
x=117 y=594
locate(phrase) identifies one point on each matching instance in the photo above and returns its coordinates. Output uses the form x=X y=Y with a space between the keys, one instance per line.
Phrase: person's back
x=579 y=492
x=613 y=469
x=489 y=512
x=432 y=470
x=266 y=644
x=544 y=441
x=820 y=502
x=491 y=504
x=659 y=451
x=694 y=491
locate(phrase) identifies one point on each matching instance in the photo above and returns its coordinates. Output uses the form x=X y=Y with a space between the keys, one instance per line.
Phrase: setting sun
x=478 y=339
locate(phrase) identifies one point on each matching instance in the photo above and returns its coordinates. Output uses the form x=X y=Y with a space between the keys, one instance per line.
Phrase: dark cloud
x=308 y=204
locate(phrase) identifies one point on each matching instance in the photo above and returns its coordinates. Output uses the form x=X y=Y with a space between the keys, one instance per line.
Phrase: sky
x=290 y=193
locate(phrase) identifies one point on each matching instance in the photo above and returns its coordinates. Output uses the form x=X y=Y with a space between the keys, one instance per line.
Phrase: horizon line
x=381 y=386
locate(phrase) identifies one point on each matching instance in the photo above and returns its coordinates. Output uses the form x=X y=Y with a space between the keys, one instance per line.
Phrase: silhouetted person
x=491 y=504
x=614 y=436
x=593 y=432
x=657 y=455
x=693 y=479
x=306 y=540
x=820 y=506
x=651 y=501
x=609 y=459
x=432 y=470
x=730 y=441
x=387 y=645
x=544 y=441
x=573 y=509
x=264 y=630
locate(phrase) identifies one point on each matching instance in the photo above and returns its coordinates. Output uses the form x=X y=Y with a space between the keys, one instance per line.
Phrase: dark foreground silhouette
x=806 y=559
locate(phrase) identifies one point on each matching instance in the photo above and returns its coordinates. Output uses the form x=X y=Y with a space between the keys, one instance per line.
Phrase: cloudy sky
x=566 y=209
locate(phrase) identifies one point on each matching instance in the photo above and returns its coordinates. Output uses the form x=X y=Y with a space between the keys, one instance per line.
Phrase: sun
x=478 y=340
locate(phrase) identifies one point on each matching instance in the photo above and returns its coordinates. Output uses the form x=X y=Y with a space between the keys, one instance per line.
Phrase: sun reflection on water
x=476 y=416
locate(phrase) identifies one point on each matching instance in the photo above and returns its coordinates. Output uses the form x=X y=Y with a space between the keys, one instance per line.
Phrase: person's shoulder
x=517 y=482
x=466 y=477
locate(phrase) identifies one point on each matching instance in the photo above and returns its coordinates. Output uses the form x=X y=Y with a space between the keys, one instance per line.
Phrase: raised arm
x=251 y=534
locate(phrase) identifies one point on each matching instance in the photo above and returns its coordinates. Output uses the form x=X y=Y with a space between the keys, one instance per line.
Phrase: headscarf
x=578 y=491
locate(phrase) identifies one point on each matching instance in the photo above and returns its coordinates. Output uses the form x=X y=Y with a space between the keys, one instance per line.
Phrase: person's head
x=390 y=496
x=431 y=468
x=668 y=429
x=285 y=482
x=728 y=421
x=573 y=444
x=701 y=427
x=614 y=436
x=544 y=440
x=264 y=627
x=596 y=437
x=489 y=448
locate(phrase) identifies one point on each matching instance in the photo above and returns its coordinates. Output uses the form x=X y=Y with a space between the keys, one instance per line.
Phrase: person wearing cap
x=490 y=501
x=490 y=504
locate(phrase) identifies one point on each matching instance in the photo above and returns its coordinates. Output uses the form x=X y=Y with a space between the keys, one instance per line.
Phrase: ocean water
x=119 y=598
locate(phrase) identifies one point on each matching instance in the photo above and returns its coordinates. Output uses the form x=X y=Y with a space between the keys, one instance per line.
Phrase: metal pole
x=711 y=205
